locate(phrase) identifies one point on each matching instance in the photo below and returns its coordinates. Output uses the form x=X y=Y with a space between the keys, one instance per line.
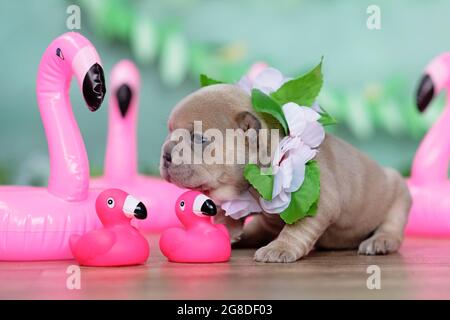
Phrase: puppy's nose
x=167 y=153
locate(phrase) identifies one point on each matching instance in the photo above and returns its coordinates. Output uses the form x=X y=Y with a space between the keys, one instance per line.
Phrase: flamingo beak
x=204 y=206
x=124 y=95
x=425 y=93
x=209 y=208
x=133 y=208
x=140 y=212
x=94 y=88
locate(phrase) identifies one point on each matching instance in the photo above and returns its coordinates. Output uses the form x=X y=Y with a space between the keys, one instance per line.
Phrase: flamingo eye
x=182 y=205
x=59 y=54
x=111 y=203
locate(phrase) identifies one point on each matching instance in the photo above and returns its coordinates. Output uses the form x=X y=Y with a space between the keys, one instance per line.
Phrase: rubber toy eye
x=182 y=205
x=111 y=203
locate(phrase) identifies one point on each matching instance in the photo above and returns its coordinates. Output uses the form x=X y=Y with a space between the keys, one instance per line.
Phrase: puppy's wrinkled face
x=215 y=109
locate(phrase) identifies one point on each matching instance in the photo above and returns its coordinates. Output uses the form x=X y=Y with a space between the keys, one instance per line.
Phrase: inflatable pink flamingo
x=121 y=168
x=429 y=183
x=36 y=223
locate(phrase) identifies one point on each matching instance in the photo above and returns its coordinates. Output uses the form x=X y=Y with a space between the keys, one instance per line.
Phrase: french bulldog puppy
x=362 y=205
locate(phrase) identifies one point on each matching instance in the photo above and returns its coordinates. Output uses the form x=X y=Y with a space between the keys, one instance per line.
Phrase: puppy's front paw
x=277 y=251
x=235 y=238
x=379 y=244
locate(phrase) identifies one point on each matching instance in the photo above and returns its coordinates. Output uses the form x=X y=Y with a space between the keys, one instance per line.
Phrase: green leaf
x=263 y=103
x=304 y=201
x=207 y=81
x=262 y=183
x=326 y=119
x=313 y=209
x=302 y=90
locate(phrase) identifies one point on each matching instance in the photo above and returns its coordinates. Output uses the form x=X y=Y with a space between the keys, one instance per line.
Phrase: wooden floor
x=420 y=271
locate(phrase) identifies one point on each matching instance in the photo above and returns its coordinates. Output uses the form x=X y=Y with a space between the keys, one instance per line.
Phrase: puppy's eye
x=200 y=139
x=182 y=205
x=111 y=203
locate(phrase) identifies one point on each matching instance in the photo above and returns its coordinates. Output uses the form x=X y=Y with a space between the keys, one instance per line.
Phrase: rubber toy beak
x=140 y=212
x=209 y=208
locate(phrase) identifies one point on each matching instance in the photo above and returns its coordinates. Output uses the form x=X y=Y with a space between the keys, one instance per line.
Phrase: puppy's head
x=195 y=127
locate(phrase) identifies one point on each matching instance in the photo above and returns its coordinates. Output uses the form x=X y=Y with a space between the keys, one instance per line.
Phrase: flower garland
x=293 y=187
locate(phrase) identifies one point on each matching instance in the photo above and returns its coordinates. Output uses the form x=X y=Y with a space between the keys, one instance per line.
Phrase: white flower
x=316 y=107
x=291 y=156
x=268 y=81
x=241 y=206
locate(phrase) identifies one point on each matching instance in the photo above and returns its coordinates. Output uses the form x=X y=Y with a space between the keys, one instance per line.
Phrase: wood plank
x=421 y=270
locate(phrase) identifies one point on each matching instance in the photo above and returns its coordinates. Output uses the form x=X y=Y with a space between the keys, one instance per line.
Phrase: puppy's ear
x=246 y=120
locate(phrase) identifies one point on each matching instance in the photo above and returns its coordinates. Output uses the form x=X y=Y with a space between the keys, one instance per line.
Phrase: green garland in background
x=380 y=108
x=163 y=43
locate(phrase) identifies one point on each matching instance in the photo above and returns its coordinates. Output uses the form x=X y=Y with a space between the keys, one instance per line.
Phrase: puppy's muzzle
x=167 y=160
x=167 y=154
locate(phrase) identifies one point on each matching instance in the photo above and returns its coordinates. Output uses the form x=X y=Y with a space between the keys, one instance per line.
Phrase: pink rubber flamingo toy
x=429 y=183
x=36 y=223
x=121 y=166
x=199 y=240
x=117 y=243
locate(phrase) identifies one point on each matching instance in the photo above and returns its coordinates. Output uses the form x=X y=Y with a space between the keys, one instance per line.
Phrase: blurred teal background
x=370 y=75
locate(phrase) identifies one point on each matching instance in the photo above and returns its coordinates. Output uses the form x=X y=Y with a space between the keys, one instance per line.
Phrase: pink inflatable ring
x=36 y=223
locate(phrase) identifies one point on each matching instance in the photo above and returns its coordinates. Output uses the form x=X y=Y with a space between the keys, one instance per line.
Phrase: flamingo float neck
x=121 y=150
x=431 y=162
x=68 y=55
